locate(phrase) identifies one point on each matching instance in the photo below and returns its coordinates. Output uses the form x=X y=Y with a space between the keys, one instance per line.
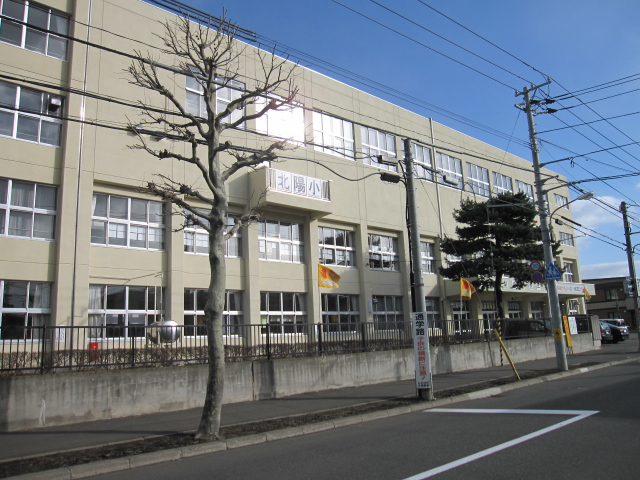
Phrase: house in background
x=610 y=299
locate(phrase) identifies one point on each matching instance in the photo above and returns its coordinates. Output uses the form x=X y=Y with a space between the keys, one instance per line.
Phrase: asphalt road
x=584 y=426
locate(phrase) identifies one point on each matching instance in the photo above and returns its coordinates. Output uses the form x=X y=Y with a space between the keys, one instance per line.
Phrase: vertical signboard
x=421 y=350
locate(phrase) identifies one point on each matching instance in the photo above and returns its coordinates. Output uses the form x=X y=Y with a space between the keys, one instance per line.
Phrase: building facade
x=82 y=244
x=611 y=300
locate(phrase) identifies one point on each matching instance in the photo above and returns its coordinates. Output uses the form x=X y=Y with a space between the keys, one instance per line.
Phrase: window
x=25 y=36
x=284 y=312
x=432 y=305
x=561 y=201
x=119 y=311
x=450 y=168
x=30 y=115
x=525 y=188
x=611 y=294
x=333 y=135
x=566 y=239
x=568 y=272
x=428 y=257
x=194 y=301
x=27 y=209
x=478 y=180
x=501 y=184
x=374 y=143
x=383 y=253
x=387 y=312
x=287 y=122
x=459 y=311
x=226 y=90
x=25 y=307
x=514 y=310
x=337 y=247
x=127 y=222
x=196 y=239
x=537 y=309
x=340 y=313
x=280 y=241
x=422 y=166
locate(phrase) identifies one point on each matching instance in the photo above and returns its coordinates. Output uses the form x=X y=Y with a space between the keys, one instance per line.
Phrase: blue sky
x=578 y=43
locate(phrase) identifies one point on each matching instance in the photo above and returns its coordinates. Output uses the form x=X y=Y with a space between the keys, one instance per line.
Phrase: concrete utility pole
x=416 y=259
x=632 y=267
x=554 y=301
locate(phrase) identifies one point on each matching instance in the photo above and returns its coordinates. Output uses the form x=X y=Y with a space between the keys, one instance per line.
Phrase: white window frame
x=427 y=253
x=285 y=123
x=567 y=239
x=280 y=241
x=568 y=275
x=537 y=309
x=422 y=162
x=283 y=321
x=194 y=318
x=432 y=305
x=36 y=213
x=337 y=247
x=345 y=314
x=35 y=309
x=55 y=23
x=376 y=142
x=99 y=311
x=388 y=312
x=30 y=115
x=451 y=170
x=383 y=253
x=196 y=239
x=561 y=201
x=514 y=309
x=128 y=228
x=226 y=90
x=525 y=188
x=333 y=135
x=478 y=180
x=502 y=184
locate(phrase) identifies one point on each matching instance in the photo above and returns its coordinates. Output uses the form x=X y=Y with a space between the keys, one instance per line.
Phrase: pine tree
x=496 y=238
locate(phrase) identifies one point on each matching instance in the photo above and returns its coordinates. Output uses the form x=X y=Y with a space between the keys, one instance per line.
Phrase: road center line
x=577 y=415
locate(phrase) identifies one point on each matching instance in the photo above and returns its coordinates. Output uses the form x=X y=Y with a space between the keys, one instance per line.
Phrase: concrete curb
x=145 y=459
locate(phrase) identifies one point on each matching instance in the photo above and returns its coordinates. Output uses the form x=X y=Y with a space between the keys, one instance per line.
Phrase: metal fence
x=42 y=349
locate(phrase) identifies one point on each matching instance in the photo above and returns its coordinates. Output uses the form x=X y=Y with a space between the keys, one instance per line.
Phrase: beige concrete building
x=80 y=244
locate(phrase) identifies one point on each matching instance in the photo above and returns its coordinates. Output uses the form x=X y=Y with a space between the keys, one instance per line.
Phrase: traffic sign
x=535 y=266
x=537 y=277
x=552 y=273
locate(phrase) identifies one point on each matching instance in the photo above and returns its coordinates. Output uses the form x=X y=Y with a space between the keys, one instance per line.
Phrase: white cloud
x=591 y=215
x=605 y=270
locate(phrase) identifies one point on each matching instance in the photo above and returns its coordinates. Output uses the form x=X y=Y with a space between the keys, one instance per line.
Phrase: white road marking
x=577 y=415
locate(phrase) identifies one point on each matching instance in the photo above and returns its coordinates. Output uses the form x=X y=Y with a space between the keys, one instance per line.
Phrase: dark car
x=618 y=328
x=605 y=332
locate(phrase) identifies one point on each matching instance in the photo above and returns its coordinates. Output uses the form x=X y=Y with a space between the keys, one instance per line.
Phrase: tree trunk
x=210 y=421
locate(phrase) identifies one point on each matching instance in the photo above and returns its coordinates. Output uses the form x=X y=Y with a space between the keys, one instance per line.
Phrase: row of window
x=123 y=311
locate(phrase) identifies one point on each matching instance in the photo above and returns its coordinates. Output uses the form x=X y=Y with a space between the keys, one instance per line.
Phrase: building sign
x=421 y=350
x=298 y=184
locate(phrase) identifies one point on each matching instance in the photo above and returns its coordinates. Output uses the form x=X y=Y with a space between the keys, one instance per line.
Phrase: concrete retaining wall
x=62 y=398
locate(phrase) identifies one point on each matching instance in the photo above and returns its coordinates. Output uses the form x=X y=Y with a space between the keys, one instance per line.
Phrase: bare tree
x=212 y=57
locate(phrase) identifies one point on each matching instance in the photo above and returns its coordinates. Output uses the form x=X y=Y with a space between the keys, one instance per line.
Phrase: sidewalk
x=85 y=435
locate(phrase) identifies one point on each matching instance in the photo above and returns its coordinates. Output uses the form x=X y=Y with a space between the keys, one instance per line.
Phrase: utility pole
x=632 y=267
x=552 y=289
x=418 y=282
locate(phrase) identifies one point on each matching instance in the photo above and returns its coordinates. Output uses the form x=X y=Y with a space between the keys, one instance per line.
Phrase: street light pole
x=632 y=267
x=554 y=301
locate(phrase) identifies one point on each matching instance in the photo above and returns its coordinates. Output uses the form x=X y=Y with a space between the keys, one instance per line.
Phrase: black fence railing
x=42 y=349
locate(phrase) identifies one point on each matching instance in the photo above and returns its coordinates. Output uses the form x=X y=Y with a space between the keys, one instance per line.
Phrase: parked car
x=619 y=330
x=605 y=332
